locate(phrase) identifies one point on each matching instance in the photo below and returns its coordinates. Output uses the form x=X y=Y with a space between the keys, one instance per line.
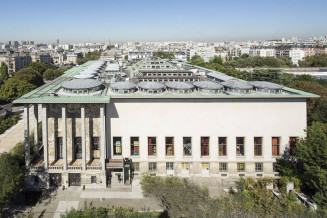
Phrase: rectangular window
x=136 y=167
x=223 y=167
x=204 y=146
x=240 y=167
x=152 y=146
x=257 y=146
x=275 y=146
x=59 y=148
x=78 y=147
x=169 y=146
x=170 y=168
x=185 y=168
x=240 y=146
x=135 y=146
x=152 y=167
x=222 y=141
x=95 y=146
x=205 y=168
x=187 y=146
x=117 y=146
x=292 y=145
x=258 y=167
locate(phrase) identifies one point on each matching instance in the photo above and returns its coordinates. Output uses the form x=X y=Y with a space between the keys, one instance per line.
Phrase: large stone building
x=218 y=127
x=16 y=61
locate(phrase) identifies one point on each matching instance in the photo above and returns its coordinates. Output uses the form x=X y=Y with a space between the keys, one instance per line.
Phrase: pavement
x=59 y=201
x=16 y=133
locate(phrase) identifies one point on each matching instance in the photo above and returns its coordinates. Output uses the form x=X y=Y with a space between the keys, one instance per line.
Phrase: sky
x=74 y=21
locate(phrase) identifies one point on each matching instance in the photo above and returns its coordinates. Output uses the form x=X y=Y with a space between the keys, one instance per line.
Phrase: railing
x=93 y=167
x=36 y=168
x=55 y=167
x=74 y=168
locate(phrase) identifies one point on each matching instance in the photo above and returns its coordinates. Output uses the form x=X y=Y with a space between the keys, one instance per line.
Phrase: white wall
x=205 y=117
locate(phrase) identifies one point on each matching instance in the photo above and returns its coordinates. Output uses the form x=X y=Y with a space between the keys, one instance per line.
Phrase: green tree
x=164 y=55
x=14 y=88
x=311 y=152
x=314 y=61
x=217 y=60
x=88 y=57
x=29 y=75
x=3 y=73
x=11 y=177
x=126 y=57
x=51 y=74
x=39 y=67
x=197 y=60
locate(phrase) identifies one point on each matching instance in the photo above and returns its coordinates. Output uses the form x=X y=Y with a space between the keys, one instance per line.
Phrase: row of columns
x=64 y=135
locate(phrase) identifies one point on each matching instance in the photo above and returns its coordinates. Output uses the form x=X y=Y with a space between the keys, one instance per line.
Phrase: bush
x=6 y=123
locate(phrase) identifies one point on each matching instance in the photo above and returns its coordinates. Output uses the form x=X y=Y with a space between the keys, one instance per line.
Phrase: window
x=135 y=149
x=240 y=146
x=223 y=167
x=204 y=146
x=240 y=167
x=222 y=141
x=152 y=146
x=275 y=146
x=136 y=167
x=169 y=146
x=170 y=168
x=95 y=145
x=93 y=179
x=78 y=147
x=59 y=148
x=152 y=167
x=185 y=168
x=258 y=167
x=257 y=146
x=274 y=167
x=205 y=168
x=187 y=146
x=292 y=145
x=117 y=146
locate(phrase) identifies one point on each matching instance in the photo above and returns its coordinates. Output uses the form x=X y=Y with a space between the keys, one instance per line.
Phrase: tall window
x=95 y=145
x=152 y=167
x=117 y=145
x=170 y=168
x=292 y=145
x=78 y=147
x=240 y=167
x=187 y=146
x=59 y=148
x=223 y=167
x=275 y=146
x=258 y=167
x=169 y=146
x=135 y=146
x=222 y=141
x=257 y=146
x=152 y=146
x=240 y=146
x=204 y=146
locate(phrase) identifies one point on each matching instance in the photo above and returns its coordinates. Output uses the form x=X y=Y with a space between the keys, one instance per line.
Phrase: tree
x=217 y=60
x=314 y=61
x=311 y=153
x=51 y=74
x=29 y=75
x=39 y=67
x=164 y=55
x=88 y=57
x=3 y=73
x=197 y=60
x=14 y=88
x=126 y=57
x=11 y=177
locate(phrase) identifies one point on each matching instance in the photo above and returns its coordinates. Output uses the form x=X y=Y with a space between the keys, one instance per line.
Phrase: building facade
x=186 y=129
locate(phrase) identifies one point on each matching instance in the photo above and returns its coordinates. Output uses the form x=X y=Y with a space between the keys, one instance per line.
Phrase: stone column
x=45 y=135
x=36 y=133
x=64 y=136
x=102 y=137
x=83 y=137
x=26 y=135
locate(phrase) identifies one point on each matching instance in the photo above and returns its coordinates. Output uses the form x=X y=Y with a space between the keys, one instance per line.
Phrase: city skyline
x=124 y=21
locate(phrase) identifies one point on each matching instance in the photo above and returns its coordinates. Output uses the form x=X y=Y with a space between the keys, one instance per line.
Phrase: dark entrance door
x=55 y=179
x=74 y=179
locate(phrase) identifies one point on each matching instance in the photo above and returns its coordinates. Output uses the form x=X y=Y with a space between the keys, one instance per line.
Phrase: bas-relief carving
x=69 y=140
x=51 y=139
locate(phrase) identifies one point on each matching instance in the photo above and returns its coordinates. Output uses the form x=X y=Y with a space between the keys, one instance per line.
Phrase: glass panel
x=135 y=146
x=257 y=146
x=222 y=146
x=204 y=146
x=169 y=146
x=117 y=145
x=152 y=146
x=187 y=146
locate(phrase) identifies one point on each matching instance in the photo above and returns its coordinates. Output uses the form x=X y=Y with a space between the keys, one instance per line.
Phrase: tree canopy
x=39 y=67
x=29 y=75
x=3 y=73
x=164 y=55
x=51 y=74
x=14 y=88
x=314 y=61
x=88 y=57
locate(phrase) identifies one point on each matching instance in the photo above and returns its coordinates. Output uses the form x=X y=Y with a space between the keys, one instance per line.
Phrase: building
x=262 y=52
x=73 y=56
x=94 y=132
x=41 y=58
x=15 y=61
x=296 y=55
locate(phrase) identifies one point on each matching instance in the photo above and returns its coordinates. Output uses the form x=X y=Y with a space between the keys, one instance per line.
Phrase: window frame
x=239 y=170
x=154 y=146
x=256 y=148
x=114 y=147
x=225 y=145
x=257 y=168
x=151 y=168
x=274 y=145
x=184 y=148
x=203 y=150
x=171 y=145
x=132 y=146
x=223 y=165
x=240 y=148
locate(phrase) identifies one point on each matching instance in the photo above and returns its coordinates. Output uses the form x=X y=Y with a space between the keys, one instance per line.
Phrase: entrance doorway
x=74 y=179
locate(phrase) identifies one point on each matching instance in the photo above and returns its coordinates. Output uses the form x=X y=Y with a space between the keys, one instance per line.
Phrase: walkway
x=16 y=133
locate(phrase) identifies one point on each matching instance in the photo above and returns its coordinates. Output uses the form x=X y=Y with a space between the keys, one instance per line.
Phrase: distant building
x=41 y=58
x=72 y=57
x=15 y=62
x=262 y=52
x=296 y=55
